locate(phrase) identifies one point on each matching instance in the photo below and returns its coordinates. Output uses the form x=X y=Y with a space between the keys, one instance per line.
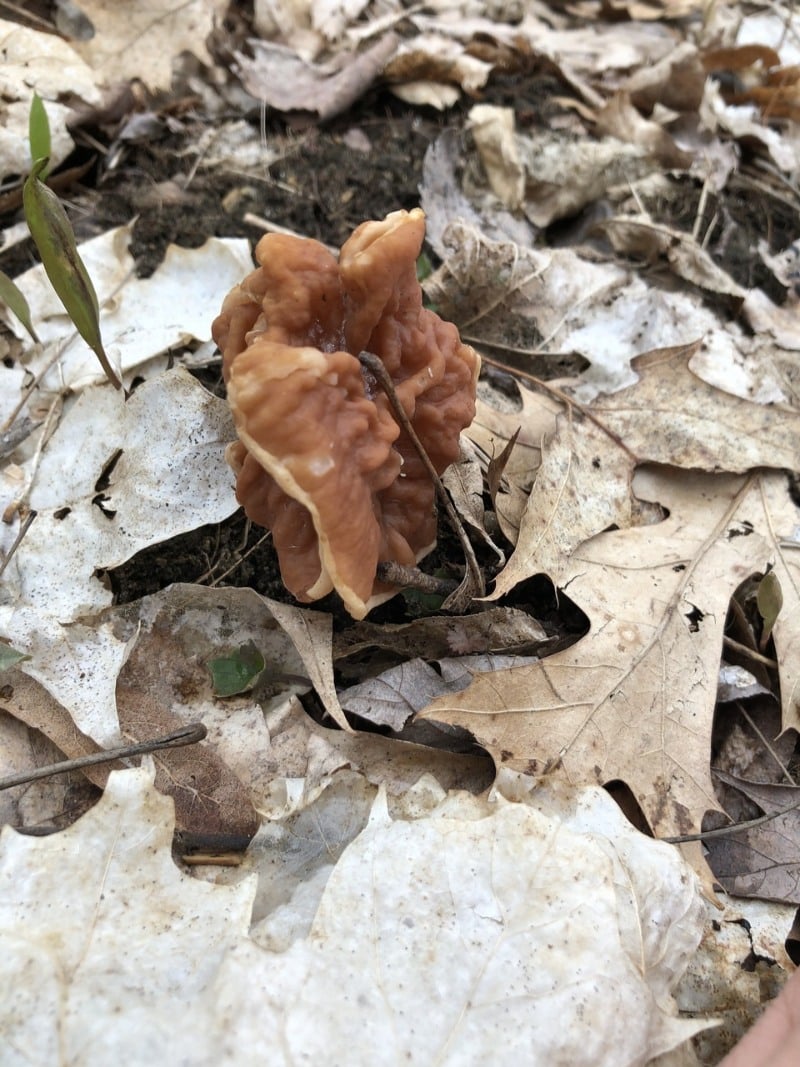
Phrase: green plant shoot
x=237 y=672
x=38 y=131
x=15 y=301
x=52 y=234
x=769 y=600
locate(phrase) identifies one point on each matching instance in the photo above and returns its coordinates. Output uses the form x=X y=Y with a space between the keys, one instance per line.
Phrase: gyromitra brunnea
x=321 y=460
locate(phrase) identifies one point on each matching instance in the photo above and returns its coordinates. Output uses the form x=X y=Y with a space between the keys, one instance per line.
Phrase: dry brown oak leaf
x=321 y=460
x=634 y=699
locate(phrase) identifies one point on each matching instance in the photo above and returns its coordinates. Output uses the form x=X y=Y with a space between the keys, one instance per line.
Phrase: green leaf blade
x=39 y=131
x=52 y=234
x=237 y=672
x=15 y=301
x=769 y=600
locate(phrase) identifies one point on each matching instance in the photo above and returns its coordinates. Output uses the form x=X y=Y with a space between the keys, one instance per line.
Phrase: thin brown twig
x=213 y=859
x=58 y=354
x=745 y=180
x=375 y=366
x=31 y=388
x=273 y=227
x=47 y=430
x=764 y=741
x=43 y=24
x=413 y=578
x=751 y=653
x=25 y=525
x=725 y=831
x=515 y=350
x=701 y=209
x=187 y=735
x=242 y=557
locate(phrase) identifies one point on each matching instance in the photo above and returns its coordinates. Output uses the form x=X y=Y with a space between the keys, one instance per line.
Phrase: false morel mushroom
x=321 y=460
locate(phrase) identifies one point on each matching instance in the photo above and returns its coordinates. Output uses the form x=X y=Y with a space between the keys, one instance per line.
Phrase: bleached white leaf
x=279 y=77
x=393 y=697
x=743 y=121
x=736 y=683
x=106 y=946
x=478 y=935
x=782 y=323
x=785 y=265
x=76 y=663
x=563 y=175
x=163 y=483
x=603 y=312
x=426 y=93
x=42 y=63
x=332 y=17
x=435 y=59
x=716 y=983
x=493 y=132
x=776 y=29
x=443 y=201
x=539 y=929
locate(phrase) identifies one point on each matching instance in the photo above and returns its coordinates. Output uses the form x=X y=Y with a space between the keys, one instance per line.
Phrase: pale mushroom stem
x=375 y=366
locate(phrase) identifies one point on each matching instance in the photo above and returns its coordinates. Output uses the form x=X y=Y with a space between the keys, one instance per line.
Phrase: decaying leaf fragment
x=45 y=64
x=640 y=235
x=761 y=861
x=141 y=40
x=288 y=82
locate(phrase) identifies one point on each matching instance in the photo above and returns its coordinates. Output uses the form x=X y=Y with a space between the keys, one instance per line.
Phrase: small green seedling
x=15 y=301
x=769 y=601
x=237 y=672
x=39 y=131
x=55 y=242
x=424 y=267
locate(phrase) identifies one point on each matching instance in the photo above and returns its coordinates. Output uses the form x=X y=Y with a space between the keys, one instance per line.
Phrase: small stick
x=213 y=859
x=48 y=429
x=187 y=735
x=9 y=439
x=414 y=578
x=751 y=653
x=25 y=525
x=764 y=741
x=726 y=831
x=242 y=557
x=375 y=366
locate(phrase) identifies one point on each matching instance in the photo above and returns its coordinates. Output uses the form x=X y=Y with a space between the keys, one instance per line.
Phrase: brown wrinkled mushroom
x=321 y=460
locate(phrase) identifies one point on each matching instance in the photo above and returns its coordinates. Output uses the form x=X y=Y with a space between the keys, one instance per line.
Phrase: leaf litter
x=481 y=862
x=647 y=488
